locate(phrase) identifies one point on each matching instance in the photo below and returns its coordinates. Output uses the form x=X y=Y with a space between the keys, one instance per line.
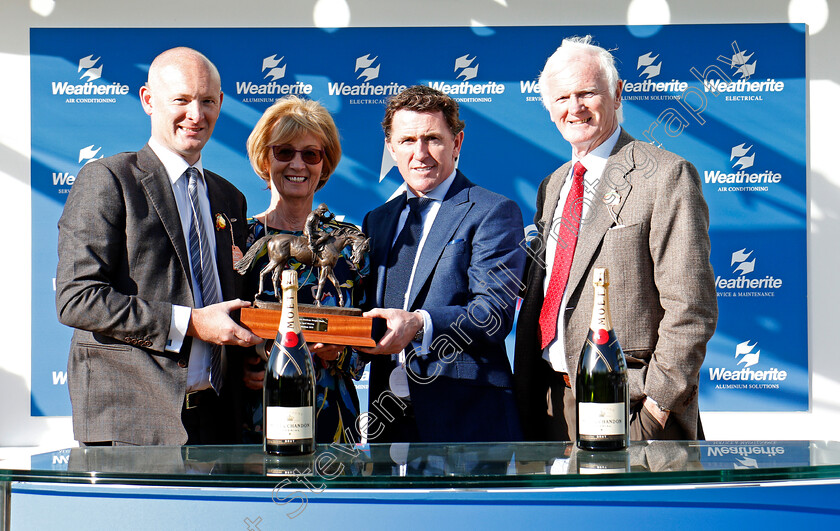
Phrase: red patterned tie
x=566 y=235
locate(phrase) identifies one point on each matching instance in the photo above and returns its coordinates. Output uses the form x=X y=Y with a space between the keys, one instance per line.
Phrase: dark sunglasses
x=287 y=153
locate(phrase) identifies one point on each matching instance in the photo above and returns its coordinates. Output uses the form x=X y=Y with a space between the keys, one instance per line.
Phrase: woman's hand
x=254 y=372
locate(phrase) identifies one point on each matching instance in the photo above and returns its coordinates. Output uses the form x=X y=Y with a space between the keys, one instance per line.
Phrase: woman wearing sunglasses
x=295 y=148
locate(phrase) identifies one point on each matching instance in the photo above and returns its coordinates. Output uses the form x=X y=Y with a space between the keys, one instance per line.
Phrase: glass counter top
x=436 y=466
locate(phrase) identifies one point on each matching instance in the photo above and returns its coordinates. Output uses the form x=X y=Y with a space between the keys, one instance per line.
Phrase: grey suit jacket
x=123 y=262
x=662 y=294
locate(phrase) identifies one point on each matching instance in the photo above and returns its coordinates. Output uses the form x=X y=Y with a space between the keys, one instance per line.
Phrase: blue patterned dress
x=336 y=402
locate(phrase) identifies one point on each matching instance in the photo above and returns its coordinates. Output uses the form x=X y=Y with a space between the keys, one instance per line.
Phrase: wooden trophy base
x=320 y=324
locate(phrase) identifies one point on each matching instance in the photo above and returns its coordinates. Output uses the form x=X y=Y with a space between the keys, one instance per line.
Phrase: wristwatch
x=418 y=337
x=655 y=403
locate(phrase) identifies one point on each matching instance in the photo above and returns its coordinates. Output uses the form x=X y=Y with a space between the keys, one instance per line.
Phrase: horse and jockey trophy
x=319 y=250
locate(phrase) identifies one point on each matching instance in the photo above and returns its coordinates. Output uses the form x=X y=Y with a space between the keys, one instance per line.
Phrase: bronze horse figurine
x=281 y=247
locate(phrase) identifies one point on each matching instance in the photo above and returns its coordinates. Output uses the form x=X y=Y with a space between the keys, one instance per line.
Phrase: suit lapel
x=224 y=241
x=451 y=213
x=552 y=197
x=385 y=219
x=156 y=183
x=615 y=177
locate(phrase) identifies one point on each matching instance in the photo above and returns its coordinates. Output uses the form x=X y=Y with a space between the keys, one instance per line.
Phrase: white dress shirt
x=595 y=161
x=198 y=375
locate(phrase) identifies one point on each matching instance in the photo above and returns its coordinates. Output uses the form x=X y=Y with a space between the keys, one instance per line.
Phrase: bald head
x=183 y=96
x=181 y=57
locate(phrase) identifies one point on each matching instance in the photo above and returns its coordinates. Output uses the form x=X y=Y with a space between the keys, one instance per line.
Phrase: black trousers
x=208 y=420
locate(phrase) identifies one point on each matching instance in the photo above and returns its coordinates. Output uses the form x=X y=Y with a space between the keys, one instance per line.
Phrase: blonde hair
x=289 y=118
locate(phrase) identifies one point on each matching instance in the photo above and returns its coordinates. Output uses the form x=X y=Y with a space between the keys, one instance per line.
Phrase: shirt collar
x=174 y=163
x=438 y=193
x=596 y=160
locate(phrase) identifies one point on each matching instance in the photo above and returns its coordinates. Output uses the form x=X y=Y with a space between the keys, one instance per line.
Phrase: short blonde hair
x=289 y=118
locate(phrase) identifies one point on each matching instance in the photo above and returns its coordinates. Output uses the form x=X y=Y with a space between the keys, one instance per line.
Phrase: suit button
x=182 y=363
x=147 y=343
x=127 y=340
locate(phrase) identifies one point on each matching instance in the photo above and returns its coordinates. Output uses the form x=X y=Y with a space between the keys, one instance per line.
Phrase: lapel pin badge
x=612 y=198
x=221 y=224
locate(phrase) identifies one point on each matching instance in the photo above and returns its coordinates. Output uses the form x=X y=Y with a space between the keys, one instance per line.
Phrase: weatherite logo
x=740 y=62
x=740 y=258
x=88 y=154
x=743 y=161
x=366 y=68
x=90 y=70
x=747 y=356
x=272 y=71
x=87 y=64
x=466 y=69
x=742 y=65
x=743 y=283
x=365 y=64
x=745 y=455
x=741 y=158
x=64 y=180
x=649 y=67
x=272 y=64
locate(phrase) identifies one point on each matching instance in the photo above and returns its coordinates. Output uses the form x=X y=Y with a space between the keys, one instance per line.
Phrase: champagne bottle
x=602 y=392
x=289 y=384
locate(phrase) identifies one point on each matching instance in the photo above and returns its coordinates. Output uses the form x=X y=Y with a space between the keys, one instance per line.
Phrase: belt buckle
x=191 y=400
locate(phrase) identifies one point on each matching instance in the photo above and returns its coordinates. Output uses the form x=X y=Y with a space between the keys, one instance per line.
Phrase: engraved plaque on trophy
x=320 y=324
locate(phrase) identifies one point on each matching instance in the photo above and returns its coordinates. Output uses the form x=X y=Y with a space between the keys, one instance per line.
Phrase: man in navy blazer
x=441 y=372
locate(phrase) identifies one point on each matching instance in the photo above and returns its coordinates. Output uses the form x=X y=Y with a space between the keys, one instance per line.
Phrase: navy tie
x=201 y=258
x=403 y=253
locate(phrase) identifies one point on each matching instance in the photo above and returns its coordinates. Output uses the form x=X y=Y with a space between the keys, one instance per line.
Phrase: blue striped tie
x=202 y=267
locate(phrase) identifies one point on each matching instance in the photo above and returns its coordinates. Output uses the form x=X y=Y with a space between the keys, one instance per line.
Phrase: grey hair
x=573 y=47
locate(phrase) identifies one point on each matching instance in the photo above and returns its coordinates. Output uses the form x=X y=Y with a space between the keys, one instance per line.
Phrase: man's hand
x=402 y=327
x=658 y=414
x=214 y=325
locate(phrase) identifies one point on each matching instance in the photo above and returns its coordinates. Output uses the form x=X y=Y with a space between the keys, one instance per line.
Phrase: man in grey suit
x=639 y=211
x=145 y=245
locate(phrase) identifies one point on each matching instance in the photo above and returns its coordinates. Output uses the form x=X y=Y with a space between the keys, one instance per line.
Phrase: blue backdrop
x=729 y=98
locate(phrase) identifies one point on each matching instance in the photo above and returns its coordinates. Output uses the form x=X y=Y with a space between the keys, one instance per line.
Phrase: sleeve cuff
x=178 y=325
x=427 y=332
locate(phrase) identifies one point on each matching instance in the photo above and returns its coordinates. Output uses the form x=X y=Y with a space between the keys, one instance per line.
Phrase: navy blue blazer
x=467 y=278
